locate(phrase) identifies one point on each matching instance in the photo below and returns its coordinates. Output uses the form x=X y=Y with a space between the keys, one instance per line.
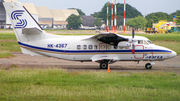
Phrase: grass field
x=8 y=44
x=57 y=84
x=169 y=44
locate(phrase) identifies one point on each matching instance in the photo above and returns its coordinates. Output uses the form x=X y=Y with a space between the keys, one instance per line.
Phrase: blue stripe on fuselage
x=90 y=51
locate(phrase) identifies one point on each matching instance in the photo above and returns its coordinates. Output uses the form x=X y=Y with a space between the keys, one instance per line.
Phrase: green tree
x=98 y=22
x=138 y=22
x=74 y=21
x=131 y=12
x=177 y=20
x=120 y=20
x=149 y=23
x=177 y=13
x=81 y=13
x=96 y=15
x=156 y=17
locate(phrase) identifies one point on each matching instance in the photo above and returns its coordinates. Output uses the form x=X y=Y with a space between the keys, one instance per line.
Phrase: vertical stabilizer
x=21 y=20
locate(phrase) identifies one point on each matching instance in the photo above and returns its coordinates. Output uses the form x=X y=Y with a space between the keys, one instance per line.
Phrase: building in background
x=32 y=9
x=88 y=22
x=60 y=16
x=2 y=16
x=47 y=18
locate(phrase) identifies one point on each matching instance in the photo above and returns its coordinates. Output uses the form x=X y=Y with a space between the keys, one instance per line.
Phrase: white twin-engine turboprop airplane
x=104 y=48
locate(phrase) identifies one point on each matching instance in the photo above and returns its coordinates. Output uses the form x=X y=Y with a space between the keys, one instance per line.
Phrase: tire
x=148 y=66
x=103 y=65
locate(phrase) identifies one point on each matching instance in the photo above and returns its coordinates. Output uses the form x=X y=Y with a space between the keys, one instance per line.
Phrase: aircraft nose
x=173 y=54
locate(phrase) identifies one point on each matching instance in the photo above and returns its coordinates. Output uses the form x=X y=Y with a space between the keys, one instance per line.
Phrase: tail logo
x=15 y=16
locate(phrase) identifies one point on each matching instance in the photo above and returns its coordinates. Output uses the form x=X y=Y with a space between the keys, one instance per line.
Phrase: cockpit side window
x=145 y=43
x=140 y=41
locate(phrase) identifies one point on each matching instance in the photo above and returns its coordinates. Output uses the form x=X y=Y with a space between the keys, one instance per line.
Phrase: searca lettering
x=154 y=57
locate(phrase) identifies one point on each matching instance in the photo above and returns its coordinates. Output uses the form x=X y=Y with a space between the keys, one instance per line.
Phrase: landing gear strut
x=148 y=66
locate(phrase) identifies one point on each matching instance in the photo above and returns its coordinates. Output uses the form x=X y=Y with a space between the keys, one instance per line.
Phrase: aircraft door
x=139 y=52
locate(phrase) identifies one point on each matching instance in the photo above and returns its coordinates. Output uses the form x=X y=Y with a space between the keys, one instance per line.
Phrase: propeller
x=133 y=33
x=133 y=41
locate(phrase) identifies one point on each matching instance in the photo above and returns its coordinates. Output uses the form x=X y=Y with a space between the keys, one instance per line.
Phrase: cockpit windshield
x=149 y=42
x=145 y=42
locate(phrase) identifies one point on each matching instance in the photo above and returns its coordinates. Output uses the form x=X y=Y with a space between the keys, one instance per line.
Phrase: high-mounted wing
x=109 y=38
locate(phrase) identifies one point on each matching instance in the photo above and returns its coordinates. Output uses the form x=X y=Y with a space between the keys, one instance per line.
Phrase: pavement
x=36 y=62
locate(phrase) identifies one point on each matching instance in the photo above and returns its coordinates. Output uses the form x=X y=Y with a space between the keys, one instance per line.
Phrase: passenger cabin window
x=140 y=41
x=103 y=46
x=90 y=47
x=126 y=47
x=115 y=47
x=78 y=47
x=109 y=46
x=84 y=47
x=95 y=47
x=120 y=47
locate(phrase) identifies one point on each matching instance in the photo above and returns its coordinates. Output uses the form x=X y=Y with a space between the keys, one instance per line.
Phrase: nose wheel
x=148 y=66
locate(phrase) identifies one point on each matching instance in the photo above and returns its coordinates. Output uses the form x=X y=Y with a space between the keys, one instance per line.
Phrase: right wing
x=109 y=38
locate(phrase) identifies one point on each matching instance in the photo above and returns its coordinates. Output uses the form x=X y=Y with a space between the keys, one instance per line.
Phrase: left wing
x=109 y=38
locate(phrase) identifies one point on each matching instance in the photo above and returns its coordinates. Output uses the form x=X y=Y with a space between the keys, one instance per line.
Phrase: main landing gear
x=103 y=65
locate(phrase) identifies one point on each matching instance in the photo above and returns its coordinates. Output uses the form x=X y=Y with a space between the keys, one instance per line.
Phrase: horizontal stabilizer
x=31 y=31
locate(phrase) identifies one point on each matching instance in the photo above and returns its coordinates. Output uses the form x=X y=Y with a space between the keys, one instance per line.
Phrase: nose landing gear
x=148 y=66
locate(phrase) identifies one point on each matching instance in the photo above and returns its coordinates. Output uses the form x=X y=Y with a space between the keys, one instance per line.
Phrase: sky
x=91 y=6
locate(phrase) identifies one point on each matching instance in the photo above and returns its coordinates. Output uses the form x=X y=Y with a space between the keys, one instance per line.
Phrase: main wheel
x=103 y=65
x=148 y=66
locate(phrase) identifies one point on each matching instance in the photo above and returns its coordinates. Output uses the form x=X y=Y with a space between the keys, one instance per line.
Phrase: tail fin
x=22 y=21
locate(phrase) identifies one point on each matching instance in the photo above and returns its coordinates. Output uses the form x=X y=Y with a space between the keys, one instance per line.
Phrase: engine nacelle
x=124 y=44
x=130 y=40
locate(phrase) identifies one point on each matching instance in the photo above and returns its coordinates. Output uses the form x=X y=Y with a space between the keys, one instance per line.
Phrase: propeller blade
x=133 y=33
x=133 y=48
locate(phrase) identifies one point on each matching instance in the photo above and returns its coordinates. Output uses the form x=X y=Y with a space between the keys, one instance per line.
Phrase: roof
x=88 y=21
x=58 y=15
x=30 y=7
x=2 y=13
x=68 y=12
x=62 y=15
x=44 y=12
